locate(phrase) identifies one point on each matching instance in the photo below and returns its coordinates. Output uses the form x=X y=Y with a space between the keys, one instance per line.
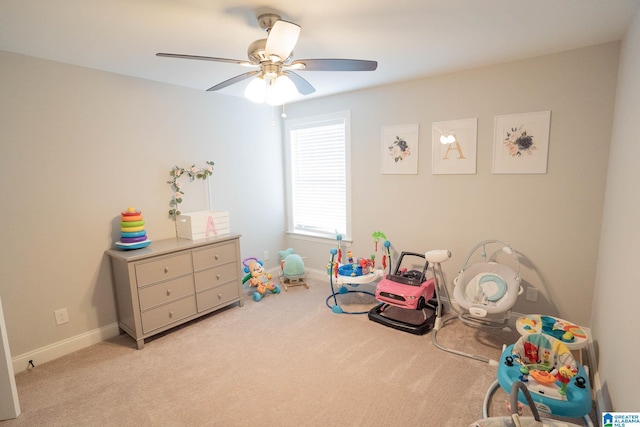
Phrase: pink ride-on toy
x=406 y=288
x=407 y=301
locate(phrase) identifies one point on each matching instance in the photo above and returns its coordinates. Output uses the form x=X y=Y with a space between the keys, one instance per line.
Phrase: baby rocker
x=485 y=292
x=291 y=269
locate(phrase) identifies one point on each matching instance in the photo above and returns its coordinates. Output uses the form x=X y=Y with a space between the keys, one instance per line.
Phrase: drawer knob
x=218 y=276
x=166 y=269
x=216 y=257
x=219 y=296
x=168 y=292
x=170 y=314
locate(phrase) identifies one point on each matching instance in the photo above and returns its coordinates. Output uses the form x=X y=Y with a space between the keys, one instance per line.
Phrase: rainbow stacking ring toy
x=132 y=232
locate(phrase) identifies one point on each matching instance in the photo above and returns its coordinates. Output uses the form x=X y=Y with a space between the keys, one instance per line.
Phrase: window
x=317 y=150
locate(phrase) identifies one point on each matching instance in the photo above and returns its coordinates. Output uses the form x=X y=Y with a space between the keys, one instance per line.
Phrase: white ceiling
x=408 y=38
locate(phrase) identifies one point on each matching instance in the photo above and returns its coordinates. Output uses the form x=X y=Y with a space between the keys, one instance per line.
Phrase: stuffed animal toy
x=258 y=279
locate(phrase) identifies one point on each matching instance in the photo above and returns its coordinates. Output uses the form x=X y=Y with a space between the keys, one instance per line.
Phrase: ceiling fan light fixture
x=256 y=90
x=280 y=90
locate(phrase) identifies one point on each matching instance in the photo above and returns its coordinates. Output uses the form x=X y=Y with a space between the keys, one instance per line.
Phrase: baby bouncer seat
x=485 y=292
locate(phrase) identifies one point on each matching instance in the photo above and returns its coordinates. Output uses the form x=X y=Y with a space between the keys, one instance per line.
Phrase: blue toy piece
x=257 y=296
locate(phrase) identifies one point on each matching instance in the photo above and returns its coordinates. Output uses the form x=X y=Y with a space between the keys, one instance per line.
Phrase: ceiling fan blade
x=303 y=86
x=233 y=80
x=282 y=38
x=333 y=65
x=206 y=58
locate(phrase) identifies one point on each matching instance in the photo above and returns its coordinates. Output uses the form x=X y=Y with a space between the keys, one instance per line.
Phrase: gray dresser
x=173 y=281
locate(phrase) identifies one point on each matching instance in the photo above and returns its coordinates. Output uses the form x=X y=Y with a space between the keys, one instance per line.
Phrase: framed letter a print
x=453 y=146
x=400 y=149
x=521 y=143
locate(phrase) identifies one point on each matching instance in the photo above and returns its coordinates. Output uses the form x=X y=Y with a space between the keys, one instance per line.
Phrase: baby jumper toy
x=557 y=384
x=132 y=232
x=354 y=273
x=291 y=269
x=258 y=278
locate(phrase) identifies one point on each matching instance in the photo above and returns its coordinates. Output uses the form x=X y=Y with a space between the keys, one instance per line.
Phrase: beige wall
x=617 y=285
x=77 y=147
x=552 y=220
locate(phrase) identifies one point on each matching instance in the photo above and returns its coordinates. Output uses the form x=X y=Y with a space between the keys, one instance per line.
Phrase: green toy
x=291 y=269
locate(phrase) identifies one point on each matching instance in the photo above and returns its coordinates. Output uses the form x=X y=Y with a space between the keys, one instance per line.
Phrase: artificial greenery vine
x=192 y=173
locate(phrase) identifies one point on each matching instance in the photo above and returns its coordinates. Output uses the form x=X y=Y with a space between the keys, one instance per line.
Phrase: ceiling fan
x=275 y=75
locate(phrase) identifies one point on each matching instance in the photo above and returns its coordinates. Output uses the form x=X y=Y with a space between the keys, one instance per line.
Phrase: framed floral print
x=521 y=143
x=400 y=149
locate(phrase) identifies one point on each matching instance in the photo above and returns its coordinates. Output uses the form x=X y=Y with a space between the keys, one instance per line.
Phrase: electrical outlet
x=532 y=294
x=265 y=256
x=62 y=316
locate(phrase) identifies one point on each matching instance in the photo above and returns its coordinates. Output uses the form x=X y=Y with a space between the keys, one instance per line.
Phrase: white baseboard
x=53 y=351
x=317 y=274
x=309 y=272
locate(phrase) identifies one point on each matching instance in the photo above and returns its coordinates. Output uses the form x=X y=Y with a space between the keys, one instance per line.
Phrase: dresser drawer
x=217 y=255
x=167 y=314
x=217 y=296
x=164 y=292
x=163 y=269
x=216 y=276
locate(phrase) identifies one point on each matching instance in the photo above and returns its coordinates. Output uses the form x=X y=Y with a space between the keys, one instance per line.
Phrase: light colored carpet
x=287 y=360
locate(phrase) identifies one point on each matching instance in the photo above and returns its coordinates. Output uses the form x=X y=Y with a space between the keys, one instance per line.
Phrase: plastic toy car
x=406 y=288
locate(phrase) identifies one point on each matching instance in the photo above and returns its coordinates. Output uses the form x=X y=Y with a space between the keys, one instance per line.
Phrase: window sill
x=317 y=238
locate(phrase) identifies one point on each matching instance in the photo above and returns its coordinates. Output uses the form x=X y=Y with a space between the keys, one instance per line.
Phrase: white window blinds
x=318 y=176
